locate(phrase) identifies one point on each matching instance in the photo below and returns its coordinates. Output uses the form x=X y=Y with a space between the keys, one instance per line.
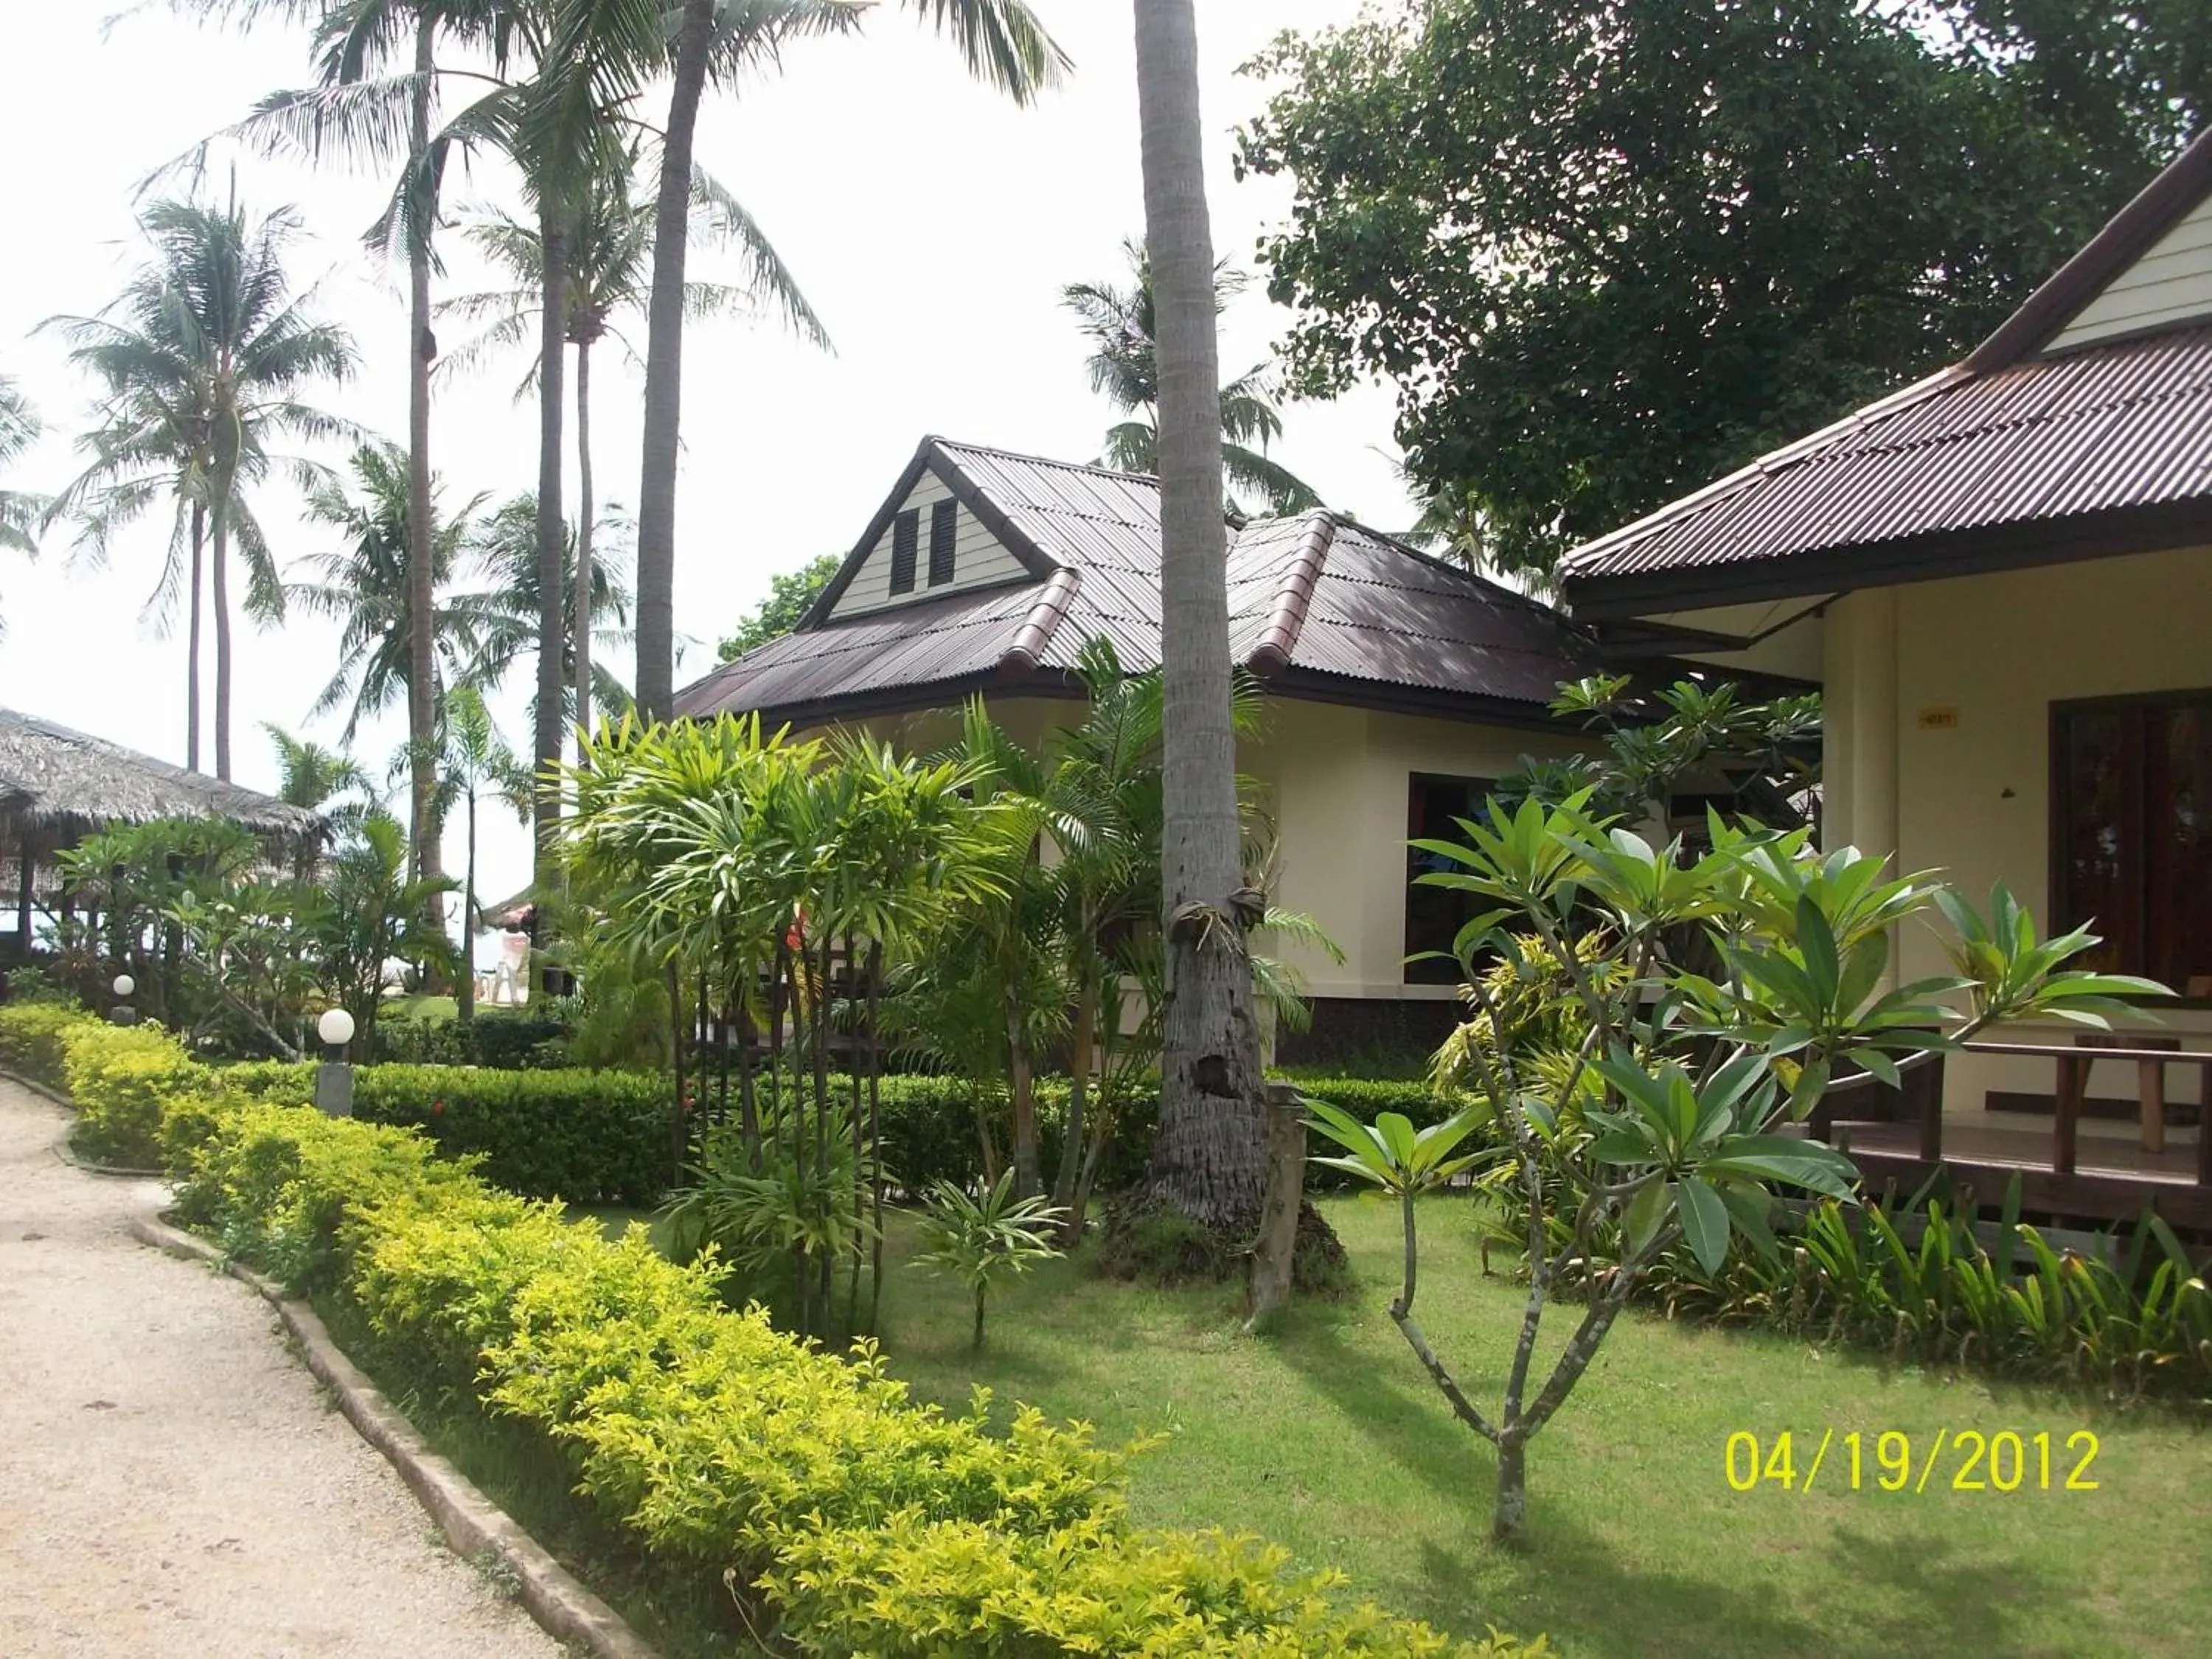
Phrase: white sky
x=931 y=222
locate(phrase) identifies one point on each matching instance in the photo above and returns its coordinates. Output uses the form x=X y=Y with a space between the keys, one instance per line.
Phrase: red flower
x=437 y=1108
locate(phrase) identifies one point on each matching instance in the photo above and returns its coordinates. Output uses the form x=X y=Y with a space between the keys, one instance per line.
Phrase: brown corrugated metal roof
x=2002 y=459
x=2105 y=428
x=1341 y=611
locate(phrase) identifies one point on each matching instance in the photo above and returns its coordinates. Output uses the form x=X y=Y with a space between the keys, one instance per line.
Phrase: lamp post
x=123 y=1013
x=334 y=1077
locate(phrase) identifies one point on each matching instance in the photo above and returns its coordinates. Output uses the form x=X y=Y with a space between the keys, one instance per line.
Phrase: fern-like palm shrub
x=981 y=1241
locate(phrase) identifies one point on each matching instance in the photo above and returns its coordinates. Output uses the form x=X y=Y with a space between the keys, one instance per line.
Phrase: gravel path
x=172 y=1485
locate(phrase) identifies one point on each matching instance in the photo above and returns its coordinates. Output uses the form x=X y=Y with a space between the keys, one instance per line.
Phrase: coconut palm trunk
x=421 y=588
x=664 y=368
x=192 y=643
x=219 y=598
x=1209 y=1162
x=580 y=601
x=465 y=987
x=552 y=543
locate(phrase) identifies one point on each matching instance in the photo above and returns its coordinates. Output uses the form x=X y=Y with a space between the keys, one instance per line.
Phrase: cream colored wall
x=1337 y=781
x=2172 y=284
x=1946 y=708
x=1333 y=783
x=978 y=560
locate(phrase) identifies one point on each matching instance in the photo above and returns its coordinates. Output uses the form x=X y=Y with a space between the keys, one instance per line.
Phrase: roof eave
x=2015 y=545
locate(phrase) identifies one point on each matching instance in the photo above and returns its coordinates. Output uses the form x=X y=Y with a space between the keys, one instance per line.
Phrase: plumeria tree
x=1666 y=1106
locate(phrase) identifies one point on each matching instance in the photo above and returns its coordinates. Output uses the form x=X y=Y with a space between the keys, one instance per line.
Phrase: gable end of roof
x=931 y=457
x=2180 y=187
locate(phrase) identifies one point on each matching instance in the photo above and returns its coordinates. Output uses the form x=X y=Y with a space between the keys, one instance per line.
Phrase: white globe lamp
x=334 y=1078
x=125 y=985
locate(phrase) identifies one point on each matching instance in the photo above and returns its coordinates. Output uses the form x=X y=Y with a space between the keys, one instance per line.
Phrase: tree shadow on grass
x=1405 y=1419
x=1916 y=1593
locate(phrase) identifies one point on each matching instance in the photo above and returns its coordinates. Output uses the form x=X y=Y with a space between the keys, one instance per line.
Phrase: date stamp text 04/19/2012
x=2002 y=1461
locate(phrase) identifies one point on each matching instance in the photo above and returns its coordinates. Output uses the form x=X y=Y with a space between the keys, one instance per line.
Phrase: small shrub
x=981 y=1241
x=587 y=1137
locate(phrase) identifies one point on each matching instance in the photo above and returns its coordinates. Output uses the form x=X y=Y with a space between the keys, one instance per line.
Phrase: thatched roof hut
x=61 y=785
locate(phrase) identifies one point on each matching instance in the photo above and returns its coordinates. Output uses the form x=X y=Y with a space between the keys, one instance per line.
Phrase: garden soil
x=171 y=1482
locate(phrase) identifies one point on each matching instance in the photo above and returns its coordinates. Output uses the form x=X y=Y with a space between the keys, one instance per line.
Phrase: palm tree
x=501 y=618
x=1124 y=364
x=1209 y=1162
x=474 y=762
x=366 y=583
x=18 y=513
x=323 y=781
x=610 y=277
x=200 y=361
x=317 y=779
x=357 y=112
x=718 y=40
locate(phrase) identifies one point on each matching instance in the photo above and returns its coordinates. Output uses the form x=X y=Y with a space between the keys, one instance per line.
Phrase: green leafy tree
x=1609 y=249
x=373 y=914
x=132 y=876
x=364 y=109
x=18 y=513
x=323 y=781
x=1124 y=363
x=1664 y=1122
x=791 y=595
x=771 y=880
x=501 y=616
x=201 y=363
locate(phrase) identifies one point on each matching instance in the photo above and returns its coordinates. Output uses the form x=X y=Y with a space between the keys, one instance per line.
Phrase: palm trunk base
x=1151 y=1237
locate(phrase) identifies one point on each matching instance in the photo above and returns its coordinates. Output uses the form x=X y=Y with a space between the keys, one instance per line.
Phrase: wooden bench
x=2073 y=1067
x=2150 y=1080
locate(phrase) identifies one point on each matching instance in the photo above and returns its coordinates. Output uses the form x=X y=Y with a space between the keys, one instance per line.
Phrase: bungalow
x=1397 y=687
x=2003 y=576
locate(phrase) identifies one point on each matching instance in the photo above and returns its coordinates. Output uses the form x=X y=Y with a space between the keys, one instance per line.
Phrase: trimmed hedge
x=588 y=1137
x=507 y=1041
x=31 y=1040
x=602 y=1137
x=862 y=1523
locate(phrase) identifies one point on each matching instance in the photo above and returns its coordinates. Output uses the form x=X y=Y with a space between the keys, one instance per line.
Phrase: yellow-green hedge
x=864 y=1523
x=31 y=1039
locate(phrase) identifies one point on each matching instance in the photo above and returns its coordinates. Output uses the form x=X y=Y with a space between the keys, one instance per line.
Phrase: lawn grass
x=1330 y=1439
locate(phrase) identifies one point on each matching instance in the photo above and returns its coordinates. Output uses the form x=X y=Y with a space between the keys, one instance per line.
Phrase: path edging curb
x=473 y=1526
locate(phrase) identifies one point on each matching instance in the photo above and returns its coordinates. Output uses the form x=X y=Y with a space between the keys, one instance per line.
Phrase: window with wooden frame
x=943 y=528
x=1434 y=916
x=2131 y=833
x=906 y=542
